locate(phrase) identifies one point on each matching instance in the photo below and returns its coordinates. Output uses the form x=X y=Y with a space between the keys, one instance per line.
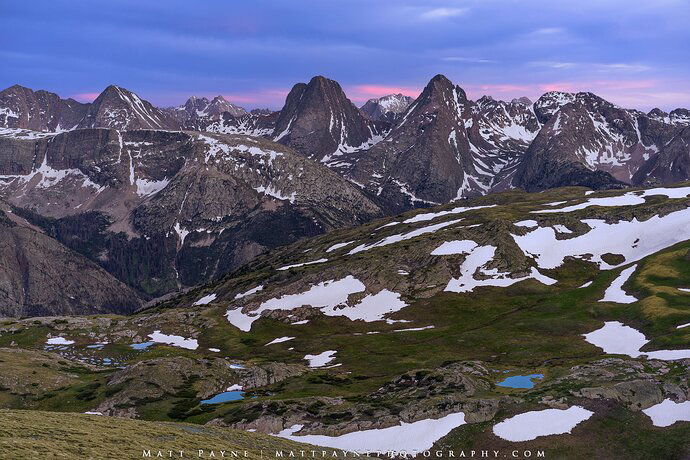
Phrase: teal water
x=520 y=381
x=224 y=397
x=141 y=346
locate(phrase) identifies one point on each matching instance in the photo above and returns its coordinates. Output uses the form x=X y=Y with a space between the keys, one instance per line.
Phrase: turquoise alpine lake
x=224 y=397
x=520 y=381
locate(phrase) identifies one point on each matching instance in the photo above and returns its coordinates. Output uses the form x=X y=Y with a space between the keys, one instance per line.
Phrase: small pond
x=224 y=397
x=520 y=381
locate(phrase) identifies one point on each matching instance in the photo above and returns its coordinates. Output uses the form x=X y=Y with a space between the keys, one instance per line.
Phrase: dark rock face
x=424 y=158
x=320 y=122
x=386 y=108
x=671 y=164
x=24 y=108
x=445 y=147
x=161 y=210
x=39 y=276
x=119 y=108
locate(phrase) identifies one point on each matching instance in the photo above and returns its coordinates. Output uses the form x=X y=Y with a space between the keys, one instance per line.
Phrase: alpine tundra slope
x=410 y=332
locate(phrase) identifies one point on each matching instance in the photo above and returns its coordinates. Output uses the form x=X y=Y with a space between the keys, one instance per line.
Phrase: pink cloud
x=362 y=93
x=592 y=86
x=85 y=97
x=506 y=88
x=267 y=98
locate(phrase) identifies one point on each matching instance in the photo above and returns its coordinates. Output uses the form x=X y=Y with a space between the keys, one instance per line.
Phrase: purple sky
x=635 y=54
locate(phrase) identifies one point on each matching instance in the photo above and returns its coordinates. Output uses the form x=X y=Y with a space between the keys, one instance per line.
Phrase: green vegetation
x=522 y=329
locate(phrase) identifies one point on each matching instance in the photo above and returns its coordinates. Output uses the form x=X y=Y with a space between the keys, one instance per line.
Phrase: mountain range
x=155 y=200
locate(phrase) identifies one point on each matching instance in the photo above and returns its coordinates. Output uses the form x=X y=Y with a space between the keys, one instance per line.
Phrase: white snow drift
x=403 y=236
x=408 y=437
x=628 y=199
x=476 y=260
x=616 y=338
x=533 y=424
x=615 y=292
x=205 y=299
x=633 y=239
x=667 y=412
x=174 y=340
x=321 y=359
x=329 y=296
x=59 y=341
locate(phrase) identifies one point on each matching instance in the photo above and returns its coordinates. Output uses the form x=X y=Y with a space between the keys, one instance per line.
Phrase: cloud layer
x=633 y=53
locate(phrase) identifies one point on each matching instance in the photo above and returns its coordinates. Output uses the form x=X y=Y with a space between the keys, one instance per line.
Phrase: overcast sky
x=634 y=53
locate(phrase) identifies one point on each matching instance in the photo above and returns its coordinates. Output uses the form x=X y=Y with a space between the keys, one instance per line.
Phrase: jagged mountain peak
x=524 y=100
x=120 y=108
x=549 y=103
x=439 y=86
x=440 y=79
x=24 y=108
x=202 y=107
x=319 y=121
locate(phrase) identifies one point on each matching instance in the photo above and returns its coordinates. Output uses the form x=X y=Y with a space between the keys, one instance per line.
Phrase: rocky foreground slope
x=456 y=327
x=34 y=434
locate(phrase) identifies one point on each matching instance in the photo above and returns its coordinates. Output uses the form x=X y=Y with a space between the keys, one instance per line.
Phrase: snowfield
x=433 y=215
x=408 y=437
x=331 y=298
x=250 y=292
x=59 y=341
x=321 y=359
x=533 y=424
x=628 y=199
x=616 y=338
x=279 y=340
x=403 y=236
x=288 y=267
x=633 y=239
x=205 y=300
x=667 y=412
x=615 y=292
x=174 y=340
x=476 y=260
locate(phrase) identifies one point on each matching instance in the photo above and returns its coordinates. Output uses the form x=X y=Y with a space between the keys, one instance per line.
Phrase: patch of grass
x=35 y=434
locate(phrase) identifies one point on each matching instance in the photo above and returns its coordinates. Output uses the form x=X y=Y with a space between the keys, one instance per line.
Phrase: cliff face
x=40 y=277
x=161 y=210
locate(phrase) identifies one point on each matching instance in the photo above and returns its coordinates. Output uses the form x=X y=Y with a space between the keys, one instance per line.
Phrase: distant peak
x=115 y=90
x=441 y=84
x=440 y=78
x=111 y=88
x=320 y=81
x=522 y=100
x=17 y=87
